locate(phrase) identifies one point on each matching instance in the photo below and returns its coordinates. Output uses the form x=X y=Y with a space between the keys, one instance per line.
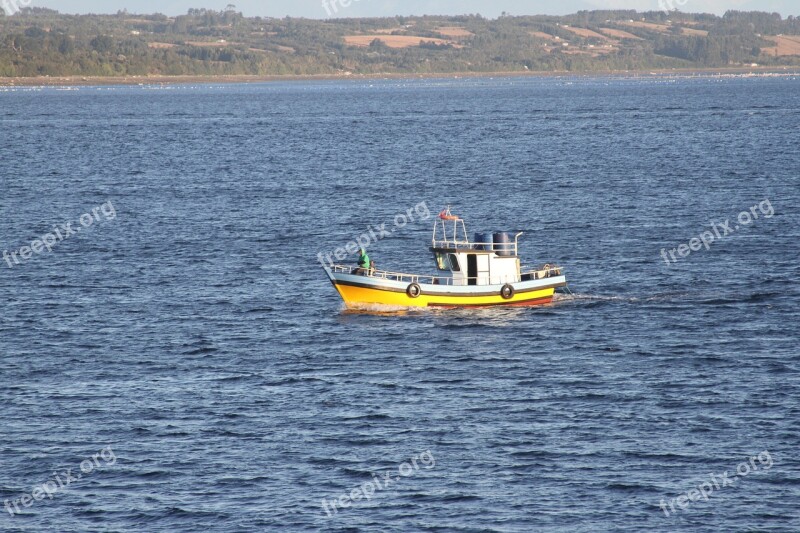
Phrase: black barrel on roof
x=502 y=243
x=483 y=241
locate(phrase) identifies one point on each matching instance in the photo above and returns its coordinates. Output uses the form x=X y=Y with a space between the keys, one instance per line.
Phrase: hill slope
x=42 y=42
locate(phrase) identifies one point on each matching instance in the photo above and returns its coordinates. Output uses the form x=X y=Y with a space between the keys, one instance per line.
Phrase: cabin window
x=454 y=266
x=441 y=262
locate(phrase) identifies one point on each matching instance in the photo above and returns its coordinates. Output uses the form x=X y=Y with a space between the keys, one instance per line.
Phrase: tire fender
x=507 y=292
x=413 y=290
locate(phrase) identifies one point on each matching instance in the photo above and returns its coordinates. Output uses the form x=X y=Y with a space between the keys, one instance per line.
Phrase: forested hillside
x=42 y=42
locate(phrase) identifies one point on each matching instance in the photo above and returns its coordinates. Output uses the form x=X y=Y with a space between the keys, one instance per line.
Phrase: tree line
x=43 y=42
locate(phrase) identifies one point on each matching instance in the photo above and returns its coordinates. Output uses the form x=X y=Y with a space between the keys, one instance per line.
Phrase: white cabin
x=467 y=262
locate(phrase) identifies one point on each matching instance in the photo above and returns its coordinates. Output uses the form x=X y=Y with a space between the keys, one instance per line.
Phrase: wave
x=682 y=297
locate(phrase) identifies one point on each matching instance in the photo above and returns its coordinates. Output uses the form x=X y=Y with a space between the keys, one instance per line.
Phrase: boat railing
x=394 y=276
x=527 y=274
x=532 y=273
x=510 y=247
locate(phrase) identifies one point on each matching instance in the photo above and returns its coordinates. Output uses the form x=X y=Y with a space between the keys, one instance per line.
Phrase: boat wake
x=693 y=298
x=677 y=296
x=384 y=310
x=560 y=297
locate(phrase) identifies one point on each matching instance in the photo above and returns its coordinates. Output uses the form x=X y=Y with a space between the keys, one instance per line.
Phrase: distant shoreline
x=65 y=81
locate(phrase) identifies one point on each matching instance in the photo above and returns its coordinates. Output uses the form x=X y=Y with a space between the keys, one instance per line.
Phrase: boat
x=482 y=272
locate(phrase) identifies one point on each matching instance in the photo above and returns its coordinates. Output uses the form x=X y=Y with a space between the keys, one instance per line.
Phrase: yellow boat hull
x=354 y=296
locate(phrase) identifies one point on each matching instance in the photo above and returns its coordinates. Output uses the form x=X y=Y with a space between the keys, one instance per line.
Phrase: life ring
x=413 y=290
x=507 y=292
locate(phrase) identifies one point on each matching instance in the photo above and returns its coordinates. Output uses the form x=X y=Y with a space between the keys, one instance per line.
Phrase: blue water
x=195 y=341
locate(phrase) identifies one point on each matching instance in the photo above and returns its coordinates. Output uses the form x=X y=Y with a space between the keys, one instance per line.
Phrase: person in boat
x=364 y=263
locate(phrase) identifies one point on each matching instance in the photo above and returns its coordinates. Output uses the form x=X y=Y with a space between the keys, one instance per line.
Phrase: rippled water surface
x=192 y=344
